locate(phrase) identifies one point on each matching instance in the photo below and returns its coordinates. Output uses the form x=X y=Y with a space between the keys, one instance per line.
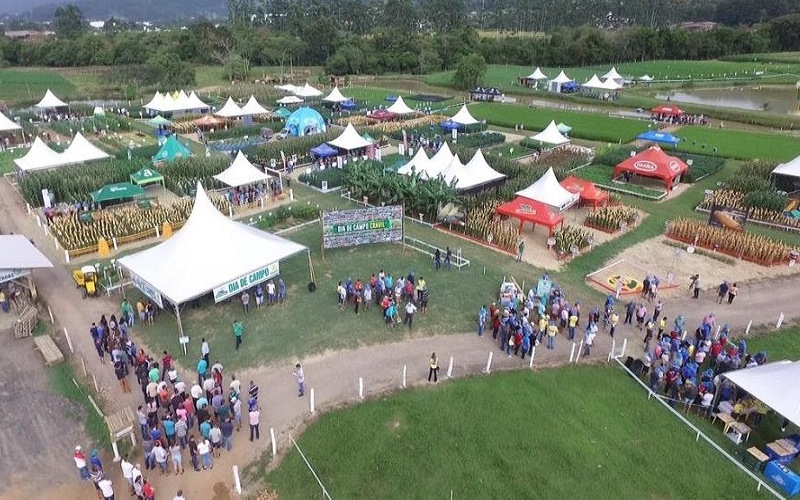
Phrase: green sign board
x=372 y=225
x=361 y=226
x=242 y=283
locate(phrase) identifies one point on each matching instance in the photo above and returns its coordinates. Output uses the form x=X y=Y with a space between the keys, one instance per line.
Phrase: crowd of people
x=408 y=294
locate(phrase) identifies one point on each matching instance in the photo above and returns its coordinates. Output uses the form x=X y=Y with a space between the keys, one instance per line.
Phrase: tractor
x=86 y=279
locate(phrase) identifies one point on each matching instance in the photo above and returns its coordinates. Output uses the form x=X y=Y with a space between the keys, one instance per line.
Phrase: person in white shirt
x=161 y=457
x=106 y=489
x=196 y=392
x=410 y=310
x=204 y=450
x=301 y=379
x=179 y=496
x=205 y=349
x=237 y=412
x=127 y=471
x=236 y=385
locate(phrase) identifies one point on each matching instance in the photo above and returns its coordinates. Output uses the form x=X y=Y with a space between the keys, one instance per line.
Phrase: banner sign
x=147 y=289
x=242 y=283
x=543 y=288
x=729 y=218
x=12 y=274
x=361 y=226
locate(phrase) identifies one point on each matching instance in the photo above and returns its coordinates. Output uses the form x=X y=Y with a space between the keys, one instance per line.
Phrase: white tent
x=399 y=107
x=289 y=99
x=477 y=172
x=611 y=84
x=593 y=83
x=416 y=164
x=789 y=169
x=38 y=157
x=229 y=110
x=438 y=162
x=241 y=173
x=453 y=171
x=195 y=103
x=547 y=190
x=335 y=96
x=537 y=75
x=646 y=78
x=50 y=101
x=551 y=135
x=464 y=117
x=156 y=103
x=307 y=91
x=252 y=107
x=561 y=78
x=209 y=253
x=350 y=140
x=774 y=384
x=80 y=150
x=613 y=75
x=7 y=123
x=288 y=87
x=18 y=253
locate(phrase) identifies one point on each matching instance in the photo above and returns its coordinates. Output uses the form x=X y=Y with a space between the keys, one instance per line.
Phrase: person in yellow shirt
x=572 y=323
x=542 y=327
x=3 y=302
x=141 y=310
x=614 y=320
x=552 y=331
x=421 y=285
x=662 y=325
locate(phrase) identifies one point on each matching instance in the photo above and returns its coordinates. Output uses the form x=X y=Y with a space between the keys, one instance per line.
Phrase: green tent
x=172 y=150
x=146 y=175
x=281 y=113
x=158 y=121
x=367 y=137
x=118 y=191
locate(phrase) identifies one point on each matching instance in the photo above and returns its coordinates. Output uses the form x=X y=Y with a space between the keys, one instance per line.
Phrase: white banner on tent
x=241 y=283
x=12 y=274
x=148 y=289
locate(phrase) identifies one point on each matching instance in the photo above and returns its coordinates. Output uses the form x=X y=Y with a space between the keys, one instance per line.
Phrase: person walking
x=205 y=349
x=254 y=415
x=246 y=301
x=238 y=329
x=520 y=250
x=194 y=453
x=433 y=364
x=227 y=433
x=437 y=259
x=694 y=285
x=630 y=308
x=106 y=488
x=732 y=293
x=722 y=291
x=482 y=317
x=409 y=317
x=301 y=380
x=447 y=258
x=588 y=338
x=204 y=450
x=80 y=463
x=552 y=331
x=176 y=454
x=202 y=368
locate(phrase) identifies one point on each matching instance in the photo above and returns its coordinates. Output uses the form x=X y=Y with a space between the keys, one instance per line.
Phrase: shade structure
x=561 y=78
x=438 y=162
x=289 y=99
x=656 y=136
x=534 y=212
x=537 y=75
x=667 y=110
x=399 y=107
x=241 y=173
x=593 y=83
x=646 y=78
x=18 y=253
x=416 y=164
x=208 y=120
x=159 y=121
x=80 y=150
x=7 y=124
x=551 y=135
x=307 y=91
x=453 y=171
x=210 y=251
x=774 y=384
x=288 y=87
x=39 y=156
x=323 y=151
x=50 y=101
x=788 y=169
x=655 y=163
x=229 y=110
x=252 y=107
x=464 y=117
x=305 y=121
x=564 y=128
x=282 y=113
x=178 y=102
x=613 y=75
x=589 y=193
x=172 y=150
x=547 y=190
x=117 y=191
x=478 y=174
x=611 y=84
x=195 y=102
x=382 y=115
x=350 y=140
x=157 y=102
x=146 y=175
x=335 y=96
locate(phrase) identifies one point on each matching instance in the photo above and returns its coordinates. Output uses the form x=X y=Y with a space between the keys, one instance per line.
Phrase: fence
x=698 y=433
x=456 y=259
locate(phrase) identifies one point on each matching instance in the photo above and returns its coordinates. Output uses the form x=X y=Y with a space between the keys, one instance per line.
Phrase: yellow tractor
x=86 y=279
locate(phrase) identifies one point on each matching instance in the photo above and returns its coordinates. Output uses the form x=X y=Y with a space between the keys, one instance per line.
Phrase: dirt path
x=334 y=376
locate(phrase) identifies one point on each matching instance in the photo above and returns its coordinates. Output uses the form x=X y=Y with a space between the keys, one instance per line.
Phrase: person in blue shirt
x=205 y=429
x=482 y=316
x=281 y=290
x=202 y=367
x=169 y=430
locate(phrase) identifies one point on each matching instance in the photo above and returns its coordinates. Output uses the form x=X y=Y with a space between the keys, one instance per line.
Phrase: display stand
x=121 y=425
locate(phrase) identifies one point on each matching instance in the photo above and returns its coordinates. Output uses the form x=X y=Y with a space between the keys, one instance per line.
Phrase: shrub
x=334 y=176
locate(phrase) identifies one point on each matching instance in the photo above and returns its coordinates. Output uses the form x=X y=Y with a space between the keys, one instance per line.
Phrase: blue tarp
x=656 y=136
x=570 y=86
x=450 y=125
x=390 y=98
x=324 y=151
x=348 y=105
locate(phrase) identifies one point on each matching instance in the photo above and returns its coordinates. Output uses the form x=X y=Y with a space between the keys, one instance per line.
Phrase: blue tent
x=324 y=151
x=390 y=98
x=349 y=105
x=449 y=125
x=305 y=121
x=656 y=136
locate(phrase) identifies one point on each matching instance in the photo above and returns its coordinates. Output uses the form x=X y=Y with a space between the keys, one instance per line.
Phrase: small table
x=726 y=418
x=742 y=428
x=755 y=458
x=120 y=425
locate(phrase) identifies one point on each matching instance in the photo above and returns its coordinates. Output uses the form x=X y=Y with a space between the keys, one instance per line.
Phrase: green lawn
x=371 y=97
x=552 y=434
x=29 y=86
x=506 y=76
x=601 y=175
x=738 y=144
x=590 y=126
x=7 y=159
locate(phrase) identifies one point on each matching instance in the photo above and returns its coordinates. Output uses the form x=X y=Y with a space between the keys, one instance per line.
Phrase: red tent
x=588 y=192
x=531 y=211
x=667 y=110
x=653 y=162
x=382 y=115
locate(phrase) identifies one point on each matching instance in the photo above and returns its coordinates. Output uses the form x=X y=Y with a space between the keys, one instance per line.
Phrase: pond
x=782 y=100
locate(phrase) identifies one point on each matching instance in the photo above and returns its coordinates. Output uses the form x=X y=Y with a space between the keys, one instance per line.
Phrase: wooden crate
x=26 y=322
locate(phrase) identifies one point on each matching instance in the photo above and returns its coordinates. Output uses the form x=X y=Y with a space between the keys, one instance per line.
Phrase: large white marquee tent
x=40 y=156
x=252 y=107
x=548 y=191
x=209 y=253
x=241 y=173
x=472 y=175
x=350 y=140
x=181 y=102
x=551 y=135
x=7 y=124
x=335 y=96
x=774 y=384
x=399 y=107
x=50 y=101
x=464 y=117
x=229 y=110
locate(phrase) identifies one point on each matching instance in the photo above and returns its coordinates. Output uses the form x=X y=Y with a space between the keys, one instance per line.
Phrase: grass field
x=601 y=175
x=590 y=126
x=738 y=144
x=371 y=97
x=506 y=76
x=30 y=85
x=579 y=432
x=7 y=159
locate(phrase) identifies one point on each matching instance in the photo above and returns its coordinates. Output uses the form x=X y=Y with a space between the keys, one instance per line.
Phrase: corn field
x=571 y=240
x=611 y=218
x=747 y=246
x=481 y=223
x=737 y=201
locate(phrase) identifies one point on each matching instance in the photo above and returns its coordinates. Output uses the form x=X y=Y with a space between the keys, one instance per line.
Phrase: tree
x=68 y=21
x=469 y=71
